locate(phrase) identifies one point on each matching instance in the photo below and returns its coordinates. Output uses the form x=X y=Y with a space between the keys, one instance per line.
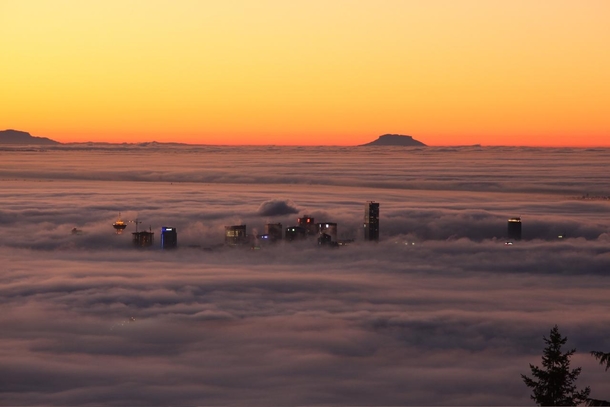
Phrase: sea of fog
x=441 y=311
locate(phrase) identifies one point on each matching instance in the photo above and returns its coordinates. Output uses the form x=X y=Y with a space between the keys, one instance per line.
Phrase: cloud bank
x=439 y=312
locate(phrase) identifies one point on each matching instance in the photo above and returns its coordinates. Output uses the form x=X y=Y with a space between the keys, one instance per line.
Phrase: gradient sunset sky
x=337 y=72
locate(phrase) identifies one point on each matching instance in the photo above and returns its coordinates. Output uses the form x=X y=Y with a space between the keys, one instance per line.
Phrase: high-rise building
x=273 y=231
x=295 y=233
x=235 y=235
x=143 y=239
x=514 y=228
x=169 y=237
x=325 y=239
x=371 y=221
x=328 y=228
x=308 y=224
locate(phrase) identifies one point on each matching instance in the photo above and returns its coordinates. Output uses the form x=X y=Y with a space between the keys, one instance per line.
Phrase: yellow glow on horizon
x=277 y=72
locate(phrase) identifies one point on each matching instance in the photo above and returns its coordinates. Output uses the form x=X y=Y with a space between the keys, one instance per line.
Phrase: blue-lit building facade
x=169 y=237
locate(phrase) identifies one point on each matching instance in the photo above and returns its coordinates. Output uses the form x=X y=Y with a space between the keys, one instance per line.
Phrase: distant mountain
x=395 y=140
x=21 y=137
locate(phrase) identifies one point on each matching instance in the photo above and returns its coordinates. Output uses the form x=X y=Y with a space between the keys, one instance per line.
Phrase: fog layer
x=441 y=311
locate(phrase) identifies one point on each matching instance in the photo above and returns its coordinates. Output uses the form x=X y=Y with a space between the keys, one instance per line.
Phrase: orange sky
x=337 y=72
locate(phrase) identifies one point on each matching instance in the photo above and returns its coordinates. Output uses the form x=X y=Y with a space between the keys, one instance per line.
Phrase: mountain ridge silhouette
x=395 y=140
x=11 y=136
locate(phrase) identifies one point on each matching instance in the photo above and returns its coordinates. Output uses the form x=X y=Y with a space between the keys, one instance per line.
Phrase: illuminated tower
x=119 y=225
x=371 y=221
x=514 y=228
x=169 y=238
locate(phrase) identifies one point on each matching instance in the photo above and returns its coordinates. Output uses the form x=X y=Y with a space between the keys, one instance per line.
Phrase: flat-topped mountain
x=22 y=137
x=395 y=140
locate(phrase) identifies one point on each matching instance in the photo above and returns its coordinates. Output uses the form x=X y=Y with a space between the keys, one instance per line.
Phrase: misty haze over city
x=440 y=311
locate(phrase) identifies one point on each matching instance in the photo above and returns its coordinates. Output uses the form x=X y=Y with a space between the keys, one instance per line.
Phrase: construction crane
x=137 y=222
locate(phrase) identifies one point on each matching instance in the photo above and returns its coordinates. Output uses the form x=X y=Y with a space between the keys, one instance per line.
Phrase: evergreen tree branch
x=602 y=357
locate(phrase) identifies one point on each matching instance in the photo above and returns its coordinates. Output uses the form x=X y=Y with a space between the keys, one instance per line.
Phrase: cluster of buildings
x=169 y=238
x=237 y=235
x=146 y=238
x=306 y=228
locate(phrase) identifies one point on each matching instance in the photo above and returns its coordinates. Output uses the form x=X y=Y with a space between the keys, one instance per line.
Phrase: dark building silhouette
x=308 y=224
x=325 y=239
x=295 y=233
x=273 y=231
x=371 y=221
x=169 y=237
x=143 y=239
x=328 y=228
x=514 y=228
x=235 y=235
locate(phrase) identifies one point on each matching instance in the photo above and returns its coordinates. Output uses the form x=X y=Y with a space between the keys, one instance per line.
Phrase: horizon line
x=332 y=145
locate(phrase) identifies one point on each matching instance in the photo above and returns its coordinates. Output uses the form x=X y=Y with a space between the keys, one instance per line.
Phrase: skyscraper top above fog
x=371 y=221
x=514 y=229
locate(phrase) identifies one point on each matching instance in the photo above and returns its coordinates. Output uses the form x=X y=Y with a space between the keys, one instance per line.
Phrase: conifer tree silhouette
x=604 y=359
x=554 y=383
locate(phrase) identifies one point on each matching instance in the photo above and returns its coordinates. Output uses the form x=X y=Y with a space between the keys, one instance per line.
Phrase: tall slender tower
x=371 y=221
x=514 y=228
